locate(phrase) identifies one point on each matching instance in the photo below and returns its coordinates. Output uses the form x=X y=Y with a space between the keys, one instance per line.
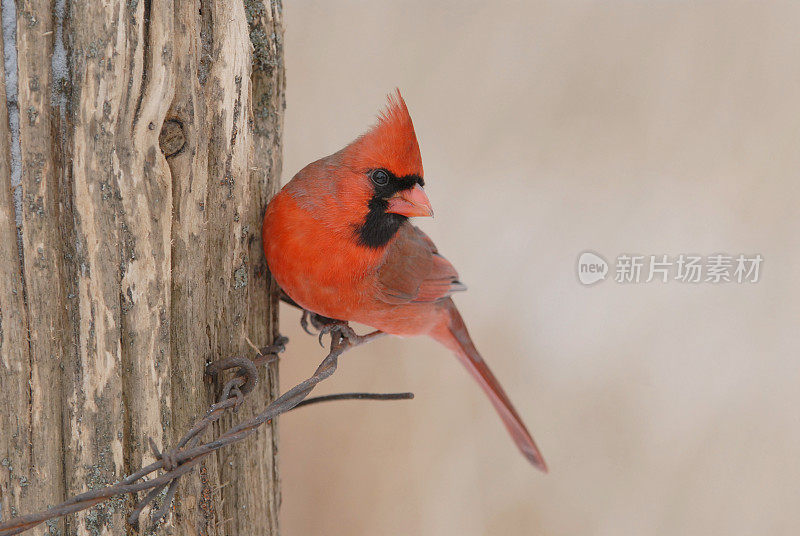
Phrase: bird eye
x=380 y=177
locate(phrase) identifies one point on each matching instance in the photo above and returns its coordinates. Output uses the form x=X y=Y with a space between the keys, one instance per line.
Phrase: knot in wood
x=172 y=139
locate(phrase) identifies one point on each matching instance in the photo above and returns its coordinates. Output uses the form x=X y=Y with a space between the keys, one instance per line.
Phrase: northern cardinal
x=339 y=242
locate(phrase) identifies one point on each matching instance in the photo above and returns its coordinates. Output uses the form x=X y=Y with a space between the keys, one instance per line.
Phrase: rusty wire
x=182 y=458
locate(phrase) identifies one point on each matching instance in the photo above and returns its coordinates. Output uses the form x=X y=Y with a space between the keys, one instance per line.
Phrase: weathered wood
x=263 y=119
x=186 y=139
x=150 y=144
x=41 y=247
x=15 y=415
x=35 y=461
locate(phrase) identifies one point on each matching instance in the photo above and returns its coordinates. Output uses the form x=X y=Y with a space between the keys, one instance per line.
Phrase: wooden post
x=139 y=144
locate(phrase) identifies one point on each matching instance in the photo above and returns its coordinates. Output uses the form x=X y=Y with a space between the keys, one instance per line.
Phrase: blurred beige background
x=548 y=128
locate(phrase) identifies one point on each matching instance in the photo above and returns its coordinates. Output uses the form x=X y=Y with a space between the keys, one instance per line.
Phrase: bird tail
x=455 y=336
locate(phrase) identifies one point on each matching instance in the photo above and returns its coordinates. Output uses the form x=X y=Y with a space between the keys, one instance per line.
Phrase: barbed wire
x=183 y=458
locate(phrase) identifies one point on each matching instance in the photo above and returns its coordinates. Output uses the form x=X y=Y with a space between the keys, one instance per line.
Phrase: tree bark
x=139 y=144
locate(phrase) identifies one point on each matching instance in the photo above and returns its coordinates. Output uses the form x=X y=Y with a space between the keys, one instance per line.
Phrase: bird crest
x=391 y=143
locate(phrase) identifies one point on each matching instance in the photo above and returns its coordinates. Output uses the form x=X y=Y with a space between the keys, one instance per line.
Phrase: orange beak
x=410 y=203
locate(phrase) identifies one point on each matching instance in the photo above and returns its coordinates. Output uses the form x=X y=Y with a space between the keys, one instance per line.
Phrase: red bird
x=338 y=241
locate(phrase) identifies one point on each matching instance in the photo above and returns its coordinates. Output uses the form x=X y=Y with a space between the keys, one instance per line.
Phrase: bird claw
x=341 y=328
x=304 y=321
x=317 y=321
x=323 y=324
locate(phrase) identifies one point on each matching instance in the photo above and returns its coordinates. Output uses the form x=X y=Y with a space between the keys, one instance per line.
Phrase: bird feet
x=318 y=322
x=325 y=325
x=343 y=330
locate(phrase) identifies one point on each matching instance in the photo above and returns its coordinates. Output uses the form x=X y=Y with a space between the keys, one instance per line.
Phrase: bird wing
x=413 y=270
